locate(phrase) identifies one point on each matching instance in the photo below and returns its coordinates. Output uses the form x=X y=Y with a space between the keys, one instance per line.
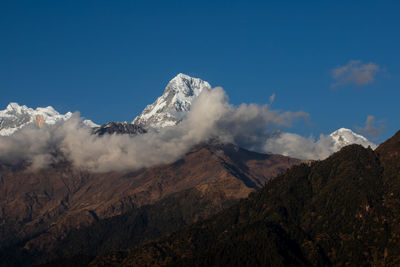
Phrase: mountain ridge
x=167 y=110
x=43 y=206
x=119 y=128
x=341 y=211
x=16 y=116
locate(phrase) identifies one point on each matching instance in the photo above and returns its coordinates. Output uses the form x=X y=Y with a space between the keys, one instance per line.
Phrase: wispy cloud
x=371 y=129
x=355 y=72
x=272 y=98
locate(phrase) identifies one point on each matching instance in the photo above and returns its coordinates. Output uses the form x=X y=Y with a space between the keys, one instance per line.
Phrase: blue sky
x=109 y=59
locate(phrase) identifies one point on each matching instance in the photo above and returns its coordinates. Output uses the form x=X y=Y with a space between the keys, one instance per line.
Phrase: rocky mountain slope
x=342 y=211
x=119 y=128
x=39 y=208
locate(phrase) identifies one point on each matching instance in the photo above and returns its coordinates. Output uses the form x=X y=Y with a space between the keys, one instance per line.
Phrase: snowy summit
x=343 y=137
x=173 y=104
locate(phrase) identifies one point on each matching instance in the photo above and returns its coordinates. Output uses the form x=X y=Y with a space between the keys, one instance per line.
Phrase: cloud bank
x=251 y=126
x=355 y=72
x=294 y=145
x=211 y=117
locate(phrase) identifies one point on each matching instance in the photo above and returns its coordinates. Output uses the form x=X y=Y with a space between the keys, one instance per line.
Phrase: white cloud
x=355 y=72
x=294 y=145
x=248 y=125
x=251 y=126
x=370 y=129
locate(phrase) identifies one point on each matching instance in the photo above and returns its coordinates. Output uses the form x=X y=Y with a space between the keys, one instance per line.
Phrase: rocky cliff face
x=119 y=128
x=39 y=120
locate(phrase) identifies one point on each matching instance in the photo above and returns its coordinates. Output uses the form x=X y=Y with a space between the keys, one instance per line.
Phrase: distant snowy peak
x=174 y=103
x=14 y=117
x=90 y=123
x=343 y=137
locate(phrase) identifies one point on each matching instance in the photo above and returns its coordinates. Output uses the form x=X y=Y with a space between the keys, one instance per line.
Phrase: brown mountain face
x=39 y=207
x=341 y=211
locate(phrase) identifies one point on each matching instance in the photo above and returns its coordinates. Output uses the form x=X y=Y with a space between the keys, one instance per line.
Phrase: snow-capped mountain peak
x=16 y=116
x=14 y=107
x=173 y=104
x=343 y=137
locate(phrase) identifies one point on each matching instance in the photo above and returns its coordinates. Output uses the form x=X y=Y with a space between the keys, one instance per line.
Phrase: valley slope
x=342 y=211
x=41 y=208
